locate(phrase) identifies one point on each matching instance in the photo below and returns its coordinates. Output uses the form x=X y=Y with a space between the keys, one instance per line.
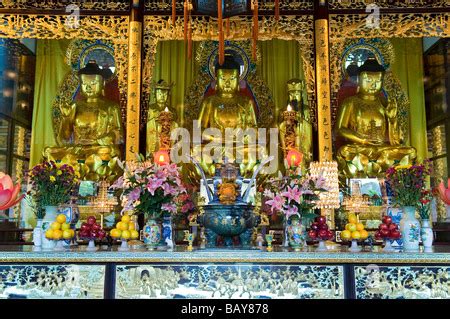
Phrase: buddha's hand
x=391 y=109
x=66 y=109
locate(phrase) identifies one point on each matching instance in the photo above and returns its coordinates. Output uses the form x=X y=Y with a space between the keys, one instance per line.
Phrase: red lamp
x=162 y=157
x=294 y=158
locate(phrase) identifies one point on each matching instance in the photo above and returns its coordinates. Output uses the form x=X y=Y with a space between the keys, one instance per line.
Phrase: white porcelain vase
x=410 y=229
x=426 y=232
x=37 y=234
x=50 y=216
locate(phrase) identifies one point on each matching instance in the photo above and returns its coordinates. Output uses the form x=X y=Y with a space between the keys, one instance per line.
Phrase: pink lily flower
x=153 y=185
x=276 y=203
x=293 y=193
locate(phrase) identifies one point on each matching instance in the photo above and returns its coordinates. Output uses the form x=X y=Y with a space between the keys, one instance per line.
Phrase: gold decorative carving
x=409 y=282
x=298 y=28
x=117 y=5
x=437 y=146
x=391 y=4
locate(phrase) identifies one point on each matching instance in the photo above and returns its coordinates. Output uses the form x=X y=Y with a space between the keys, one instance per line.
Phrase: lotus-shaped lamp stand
x=9 y=193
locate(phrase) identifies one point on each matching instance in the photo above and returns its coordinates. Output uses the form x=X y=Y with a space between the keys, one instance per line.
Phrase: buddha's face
x=227 y=80
x=370 y=82
x=91 y=85
x=161 y=96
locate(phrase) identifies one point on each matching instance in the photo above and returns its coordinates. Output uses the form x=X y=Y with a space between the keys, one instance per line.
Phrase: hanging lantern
x=162 y=157
x=294 y=158
x=174 y=11
x=255 y=30
x=221 y=35
x=329 y=171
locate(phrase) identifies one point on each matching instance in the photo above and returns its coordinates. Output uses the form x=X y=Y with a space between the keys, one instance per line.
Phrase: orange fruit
x=126 y=218
x=364 y=234
x=49 y=234
x=356 y=235
x=359 y=226
x=57 y=234
x=134 y=234
x=115 y=233
x=122 y=226
x=61 y=218
x=55 y=226
x=67 y=233
x=126 y=234
x=346 y=234
x=65 y=226
x=350 y=227
x=131 y=226
x=352 y=219
x=72 y=231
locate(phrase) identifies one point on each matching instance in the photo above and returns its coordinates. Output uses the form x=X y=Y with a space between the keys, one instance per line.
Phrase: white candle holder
x=124 y=246
x=322 y=247
x=354 y=248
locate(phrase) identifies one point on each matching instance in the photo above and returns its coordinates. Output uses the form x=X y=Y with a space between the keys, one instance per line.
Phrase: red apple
x=85 y=227
x=323 y=234
x=312 y=234
x=384 y=233
x=383 y=227
x=387 y=220
x=96 y=227
x=101 y=234
x=329 y=234
x=323 y=226
x=395 y=234
x=94 y=233
x=315 y=226
x=378 y=235
x=83 y=234
x=321 y=219
x=91 y=220
x=393 y=227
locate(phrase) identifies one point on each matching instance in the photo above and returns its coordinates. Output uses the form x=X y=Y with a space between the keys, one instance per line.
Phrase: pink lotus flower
x=444 y=193
x=9 y=194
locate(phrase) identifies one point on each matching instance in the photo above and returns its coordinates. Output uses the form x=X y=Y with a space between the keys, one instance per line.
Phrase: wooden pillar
x=134 y=79
x=324 y=131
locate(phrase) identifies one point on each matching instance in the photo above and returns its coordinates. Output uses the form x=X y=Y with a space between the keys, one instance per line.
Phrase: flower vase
x=151 y=234
x=37 y=234
x=410 y=229
x=295 y=234
x=286 y=233
x=354 y=248
x=124 y=246
x=167 y=232
x=388 y=246
x=322 y=247
x=50 y=216
x=91 y=245
x=427 y=236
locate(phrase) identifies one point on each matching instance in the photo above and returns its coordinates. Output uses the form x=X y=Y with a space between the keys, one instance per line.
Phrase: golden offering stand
x=188 y=237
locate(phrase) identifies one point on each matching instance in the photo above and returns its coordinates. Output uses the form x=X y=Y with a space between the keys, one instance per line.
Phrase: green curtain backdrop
x=280 y=62
x=408 y=67
x=50 y=71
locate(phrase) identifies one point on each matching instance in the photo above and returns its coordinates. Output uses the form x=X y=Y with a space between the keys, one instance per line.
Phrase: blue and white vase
x=427 y=236
x=295 y=234
x=410 y=229
x=151 y=234
x=167 y=232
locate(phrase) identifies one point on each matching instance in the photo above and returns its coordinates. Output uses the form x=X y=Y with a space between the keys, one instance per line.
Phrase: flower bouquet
x=52 y=183
x=150 y=189
x=407 y=183
x=294 y=195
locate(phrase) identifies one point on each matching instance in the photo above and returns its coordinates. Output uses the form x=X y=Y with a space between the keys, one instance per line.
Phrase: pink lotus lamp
x=9 y=194
x=444 y=193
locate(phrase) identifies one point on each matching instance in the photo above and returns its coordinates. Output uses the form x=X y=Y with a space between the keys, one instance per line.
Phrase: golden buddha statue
x=90 y=130
x=228 y=108
x=301 y=136
x=369 y=126
x=154 y=125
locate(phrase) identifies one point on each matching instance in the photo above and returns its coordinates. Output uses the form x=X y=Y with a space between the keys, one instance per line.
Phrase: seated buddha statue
x=368 y=126
x=162 y=93
x=228 y=108
x=302 y=128
x=90 y=129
